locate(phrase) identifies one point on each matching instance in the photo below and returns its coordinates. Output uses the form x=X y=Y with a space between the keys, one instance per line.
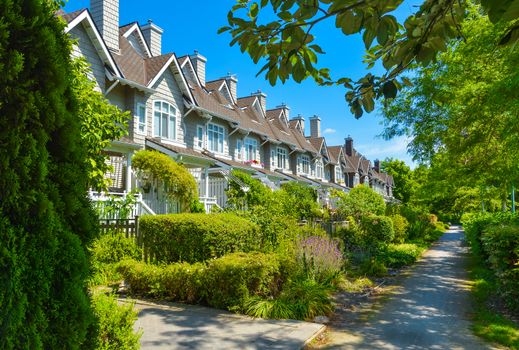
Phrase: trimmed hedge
x=225 y=282
x=197 y=237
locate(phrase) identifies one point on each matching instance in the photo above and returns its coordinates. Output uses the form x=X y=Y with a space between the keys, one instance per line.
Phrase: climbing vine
x=157 y=169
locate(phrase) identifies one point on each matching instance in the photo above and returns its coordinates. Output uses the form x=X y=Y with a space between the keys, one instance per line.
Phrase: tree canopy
x=461 y=111
x=290 y=49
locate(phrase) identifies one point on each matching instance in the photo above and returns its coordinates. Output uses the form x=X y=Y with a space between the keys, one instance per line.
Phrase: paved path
x=176 y=326
x=429 y=311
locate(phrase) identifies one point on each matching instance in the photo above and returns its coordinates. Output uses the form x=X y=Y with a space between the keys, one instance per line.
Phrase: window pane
x=172 y=128
x=164 y=127
x=156 y=124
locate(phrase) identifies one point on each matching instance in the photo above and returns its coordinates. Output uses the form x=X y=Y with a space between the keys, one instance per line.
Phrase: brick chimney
x=153 y=36
x=106 y=17
x=262 y=99
x=232 y=83
x=315 y=126
x=377 y=165
x=348 y=146
x=199 y=62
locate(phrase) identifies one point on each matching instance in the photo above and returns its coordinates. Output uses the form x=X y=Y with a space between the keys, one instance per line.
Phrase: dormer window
x=164 y=120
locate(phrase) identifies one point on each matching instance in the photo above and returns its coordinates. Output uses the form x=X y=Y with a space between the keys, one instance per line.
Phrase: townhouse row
x=203 y=123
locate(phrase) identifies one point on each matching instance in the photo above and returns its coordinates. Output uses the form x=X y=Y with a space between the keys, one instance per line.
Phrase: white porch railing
x=112 y=205
x=209 y=203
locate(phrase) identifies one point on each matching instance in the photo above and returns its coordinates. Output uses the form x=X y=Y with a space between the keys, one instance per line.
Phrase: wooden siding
x=85 y=48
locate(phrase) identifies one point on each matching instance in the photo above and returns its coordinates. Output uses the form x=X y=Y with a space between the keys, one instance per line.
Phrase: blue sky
x=190 y=25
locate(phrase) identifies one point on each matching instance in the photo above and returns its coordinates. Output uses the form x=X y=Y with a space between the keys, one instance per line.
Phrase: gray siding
x=85 y=48
x=191 y=122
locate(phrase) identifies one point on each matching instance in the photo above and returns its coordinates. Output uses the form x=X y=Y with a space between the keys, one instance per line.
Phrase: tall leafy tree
x=403 y=176
x=465 y=108
x=290 y=49
x=45 y=216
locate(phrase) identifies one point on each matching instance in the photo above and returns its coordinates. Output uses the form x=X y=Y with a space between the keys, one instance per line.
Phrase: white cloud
x=395 y=148
x=329 y=131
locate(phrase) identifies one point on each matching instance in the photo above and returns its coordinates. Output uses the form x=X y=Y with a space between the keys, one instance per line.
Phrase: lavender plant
x=319 y=257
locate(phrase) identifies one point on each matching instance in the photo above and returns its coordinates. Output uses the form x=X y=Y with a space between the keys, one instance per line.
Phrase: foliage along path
x=430 y=309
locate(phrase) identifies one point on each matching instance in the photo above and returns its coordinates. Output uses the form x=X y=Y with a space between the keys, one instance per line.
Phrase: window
x=141 y=118
x=338 y=174
x=273 y=158
x=251 y=146
x=305 y=164
x=164 y=120
x=239 y=149
x=319 y=169
x=215 y=135
x=282 y=157
x=199 y=141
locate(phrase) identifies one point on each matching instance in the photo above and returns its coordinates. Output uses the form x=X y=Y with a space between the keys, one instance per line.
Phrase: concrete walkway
x=177 y=326
x=429 y=311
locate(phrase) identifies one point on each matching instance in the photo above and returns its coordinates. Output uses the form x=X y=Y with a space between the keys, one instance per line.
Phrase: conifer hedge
x=45 y=217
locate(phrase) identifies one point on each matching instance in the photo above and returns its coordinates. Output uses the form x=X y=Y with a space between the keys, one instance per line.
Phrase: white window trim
x=137 y=117
x=197 y=139
x=176 y=121
x=285 y=153
x=224 y=135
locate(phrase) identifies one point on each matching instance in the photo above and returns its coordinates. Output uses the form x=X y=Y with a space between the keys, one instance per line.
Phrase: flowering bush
x=320 y=258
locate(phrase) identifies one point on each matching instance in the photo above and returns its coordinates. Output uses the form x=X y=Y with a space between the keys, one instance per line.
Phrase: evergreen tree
x=45 y=217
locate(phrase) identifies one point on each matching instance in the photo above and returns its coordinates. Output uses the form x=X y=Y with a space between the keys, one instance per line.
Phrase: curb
x=315 y=335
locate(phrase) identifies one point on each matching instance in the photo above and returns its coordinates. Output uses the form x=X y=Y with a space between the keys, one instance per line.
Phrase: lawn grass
x=487 y=323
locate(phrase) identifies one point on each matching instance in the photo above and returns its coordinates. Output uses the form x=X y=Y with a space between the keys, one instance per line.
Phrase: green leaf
x=368 y=38
x=389 y=89
x=254 y=9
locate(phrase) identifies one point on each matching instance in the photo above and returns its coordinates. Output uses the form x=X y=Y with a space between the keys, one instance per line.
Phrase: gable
x=84 y=47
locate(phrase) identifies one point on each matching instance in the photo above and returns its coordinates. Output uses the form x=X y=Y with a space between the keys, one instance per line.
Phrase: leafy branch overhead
x=291 y=51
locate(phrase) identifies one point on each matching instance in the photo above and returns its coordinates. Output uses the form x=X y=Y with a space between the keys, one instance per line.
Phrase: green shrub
x=114 y=247
x=230 y=280
x=105 y=252
x=400 y=225
x=197 y=237
x=501 y=245
x=399 y=255
x=115 y=324
x=226 y=282
x=378 y=229
x=142 y=278
x=182 y=282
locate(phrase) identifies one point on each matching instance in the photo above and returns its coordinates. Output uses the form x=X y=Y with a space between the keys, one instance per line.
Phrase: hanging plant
x=158 y=169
